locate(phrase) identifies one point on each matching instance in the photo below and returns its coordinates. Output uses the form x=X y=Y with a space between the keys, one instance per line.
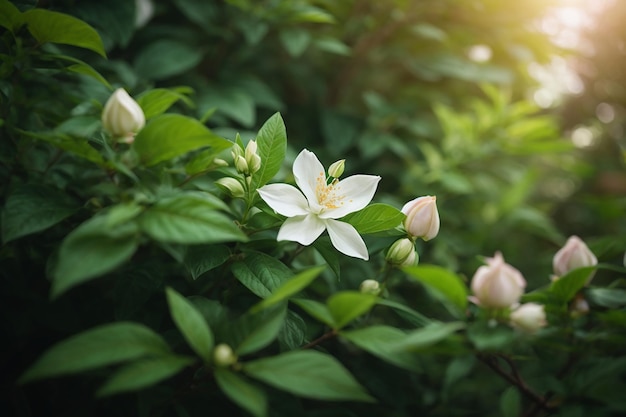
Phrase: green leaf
x=271 y=147
x=428 y=335
x=293 y=332
x=156 y=101
x=261 y=273
x=191 y=324
x=290 y=287
x=325 y=248
x=316 y=310
x=375 y=218
x=55 y=27
x=170 y=135
x=295 y=41
x=77 y=146
x=241 y=392
x=143 y=373
x=96 y=247
x=608 y=297
x=204 y=160
x=33 y=208
x=101 y=346
x=189 y=218
x=257 y=330
x=444 y=282
x=10 y=16
x=410 y=315
x=309 y=374
x=380 y=342
x=346 y=306
x=566 y=287
x=166 y=58
x=510 y=402
x=487 y=337
x=202 y=258
x=80 y=67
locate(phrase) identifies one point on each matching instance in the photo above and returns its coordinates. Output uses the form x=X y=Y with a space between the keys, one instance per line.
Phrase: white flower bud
x=402 y=253
x=241 y=165
x=497 y=284
x=529 y=317
x=220 y=162
x=370 y=286
x=122 y=116
x=575 y=254
x=231 y=185
x=422 y=217
x=223 y=355
x=252 y=158
x=336 y=168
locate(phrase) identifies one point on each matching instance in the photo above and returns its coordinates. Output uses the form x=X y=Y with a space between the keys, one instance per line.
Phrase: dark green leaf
x=241 y=392
x=510 y=402
x=189 y=218
x=261 y=273
x=290 y=287
x=380 y=342
x=33 y=208
x=156 y=101
x=309 y=374
x=412 y=316
x=566 y=287
x=191 y=324
x=101 y=346
x=428 y=335
x=295 y=41
x=170 y=135
x=346 y=306
x=143 y=373
x=325 y=247
x=202 y=258
x=607 y=297
x=77 y=146
x=316 y=309
x=10 y=16
x=293 y=332
x=444 y=282
x=487 y=337
x=166 y=58
x=49 y=26
x=257 y=330
x=375 y=218
x=271 y=147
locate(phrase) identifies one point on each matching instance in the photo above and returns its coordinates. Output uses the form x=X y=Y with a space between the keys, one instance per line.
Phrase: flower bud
x=336 y=168
x=575 y=254
x=529 y=317
x=422 y=217
x=231 y=185
x=497 y=284
x=220 y=162
x=252 y=158
x=402 y=253
x=223 y=355
x=370 y=286
x=579 y=306
x=122 y=116
x=241 y=164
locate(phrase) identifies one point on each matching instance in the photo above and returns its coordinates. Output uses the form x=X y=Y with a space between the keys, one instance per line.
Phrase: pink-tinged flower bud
x=579 y=306
x=122 y=116
x=223 y=355
x=402 y=253
x=422 y=217
x=529 y=317
x=497 y=284
x=575 y=254
x=370 y=286
x=336 y=169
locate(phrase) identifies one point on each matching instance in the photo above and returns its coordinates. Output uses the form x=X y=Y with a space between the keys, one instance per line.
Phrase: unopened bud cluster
x=246 y=161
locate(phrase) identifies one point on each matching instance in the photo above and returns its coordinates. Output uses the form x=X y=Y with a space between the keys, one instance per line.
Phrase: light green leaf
x=309 y=374
x=566 y=287
x=170 y=135
x=33 y=208
x=316 y=310
x=295 y=41
x=202 y=258
x=10 y=16
x=257 y=330
x=271 y=147
x=96 y=247
x=444 y=282
x=608 y=297
x=380 y=342
x=101 y=346
x=156 y=101
x=191 y=324
x=312 y=14
x=375 y=218
x=55 y=27
x=241 y=392
x=261 y=273
x=143 y=373
x=165 y=58
x=290 y=287
x=428 y=335
x=346 y=306
x=189 y=218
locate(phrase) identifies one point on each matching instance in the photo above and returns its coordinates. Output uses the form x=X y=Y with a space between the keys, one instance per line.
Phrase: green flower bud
x=231 y=185
x=370 y=286
x=223 y=355
x=241 y=165
x=402 y=253
x=336 y=169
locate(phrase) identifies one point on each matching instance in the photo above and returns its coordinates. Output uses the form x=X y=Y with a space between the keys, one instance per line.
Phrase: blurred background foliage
x=438 y=97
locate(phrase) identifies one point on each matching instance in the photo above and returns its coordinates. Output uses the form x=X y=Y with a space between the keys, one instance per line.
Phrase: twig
x=320 y=339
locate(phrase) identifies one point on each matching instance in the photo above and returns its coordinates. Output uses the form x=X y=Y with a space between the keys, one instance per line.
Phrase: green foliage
x=198 y=309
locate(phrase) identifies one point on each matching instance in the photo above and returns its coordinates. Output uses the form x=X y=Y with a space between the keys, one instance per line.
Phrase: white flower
x=122 y=116
x=317 y=206
x=529 y=317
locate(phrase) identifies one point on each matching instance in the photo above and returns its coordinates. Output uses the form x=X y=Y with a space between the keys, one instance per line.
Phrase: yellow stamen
x=328 y=194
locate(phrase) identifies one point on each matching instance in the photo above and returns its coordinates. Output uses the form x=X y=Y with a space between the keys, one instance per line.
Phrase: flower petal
x=307 y=169
x=346 y=239
x=284 y=199
x=357 y=192
x=301 y=229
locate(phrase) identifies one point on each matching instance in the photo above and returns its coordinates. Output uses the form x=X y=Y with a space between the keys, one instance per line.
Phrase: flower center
x=328 y=194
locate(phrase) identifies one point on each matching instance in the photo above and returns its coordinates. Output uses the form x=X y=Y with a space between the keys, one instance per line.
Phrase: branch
x=320 y=339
